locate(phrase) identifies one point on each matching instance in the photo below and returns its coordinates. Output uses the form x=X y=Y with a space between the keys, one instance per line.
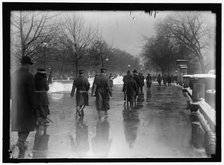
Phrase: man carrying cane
x=82 y=86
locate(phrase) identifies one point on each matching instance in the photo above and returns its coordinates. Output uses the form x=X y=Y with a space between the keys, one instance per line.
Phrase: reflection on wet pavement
x=140 y=101
x=131 y=123
x=148 y=95
x=40 y=142
x=158 y=127
x=81 y=143
x=101 y=142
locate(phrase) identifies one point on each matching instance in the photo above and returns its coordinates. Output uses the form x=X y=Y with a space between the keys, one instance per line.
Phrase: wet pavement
x=159 y=127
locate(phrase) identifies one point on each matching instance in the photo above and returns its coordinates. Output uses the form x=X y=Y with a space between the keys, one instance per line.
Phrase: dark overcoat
x=159 y=79
x=149 y=81
x=23 y=113
x=137 y=80
x=102 y=92
x=141 y=77
x=124 y=81
x=41 y=88
x=131 y=89
x=82 y=85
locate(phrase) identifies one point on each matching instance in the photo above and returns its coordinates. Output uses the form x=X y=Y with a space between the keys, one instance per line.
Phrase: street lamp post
x=106 y=59
x=45 y=54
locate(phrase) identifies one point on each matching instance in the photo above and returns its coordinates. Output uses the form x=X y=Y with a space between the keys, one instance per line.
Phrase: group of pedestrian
x=29 y=102
x=101 y=89
x=133 y=86
x=166 y=80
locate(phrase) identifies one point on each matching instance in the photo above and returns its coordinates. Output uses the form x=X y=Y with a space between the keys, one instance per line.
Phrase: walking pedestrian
x=142 y=78
x=149 y=81
x=131 y=91
x=159 y=79
x=81 y=85
x=169 y=80
x=102 y=91
x=136 y=78
x=41 y=88
x=124 y=83
x=24 y=112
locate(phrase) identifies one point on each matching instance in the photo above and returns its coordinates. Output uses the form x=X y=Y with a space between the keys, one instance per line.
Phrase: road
x=159 y=127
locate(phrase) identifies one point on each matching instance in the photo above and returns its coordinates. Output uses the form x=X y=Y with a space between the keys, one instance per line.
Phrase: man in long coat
x=132 y=90
x=24 y=111
x=149 y=81
x=41 y=88
x=141 y=77
x=102 y=91
x=137 y=78
x=124 y=84
x=159 y=79
x=82 y=99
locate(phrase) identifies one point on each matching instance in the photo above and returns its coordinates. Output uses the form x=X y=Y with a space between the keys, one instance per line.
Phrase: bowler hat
x=26 y=60
x=81 y=71
x=135 y=71
x=103 y=70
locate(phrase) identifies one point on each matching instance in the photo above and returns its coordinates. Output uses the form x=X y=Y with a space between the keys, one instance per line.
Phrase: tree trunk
x=76 y=65
x=102 y=64
x=202 y=66
x=62 y=66
x=201 y=61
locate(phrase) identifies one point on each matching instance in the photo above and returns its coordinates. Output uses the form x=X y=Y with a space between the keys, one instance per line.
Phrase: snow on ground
x=60 y=87
x=118 y=80
x=67 y=87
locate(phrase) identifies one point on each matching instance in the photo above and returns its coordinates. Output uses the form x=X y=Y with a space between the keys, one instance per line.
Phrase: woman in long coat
x=41 y=88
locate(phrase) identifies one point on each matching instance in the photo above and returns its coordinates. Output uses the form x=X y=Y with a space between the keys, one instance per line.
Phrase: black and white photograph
x=99 y=82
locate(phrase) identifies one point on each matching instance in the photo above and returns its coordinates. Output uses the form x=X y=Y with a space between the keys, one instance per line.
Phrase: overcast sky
x=122 y=29
x=125 y=30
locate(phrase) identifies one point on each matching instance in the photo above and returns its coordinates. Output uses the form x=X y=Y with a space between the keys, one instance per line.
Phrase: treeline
x=184 y=36
x=62 y=63
x=64 y=43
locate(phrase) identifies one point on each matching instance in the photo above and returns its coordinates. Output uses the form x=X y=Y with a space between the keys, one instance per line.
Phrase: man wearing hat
x=124 y=83
x=41 y=88
x=137 y=78
x=24 y=111
x=82 y=86
x=102 y=91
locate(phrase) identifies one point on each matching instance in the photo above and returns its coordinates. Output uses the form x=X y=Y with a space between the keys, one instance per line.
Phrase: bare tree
x=30 y=30
x=77 y=37
x=190 y=30
x=159 y=53
x=100 y=51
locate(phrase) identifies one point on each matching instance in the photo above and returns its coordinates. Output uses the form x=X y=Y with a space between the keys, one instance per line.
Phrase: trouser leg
x=82 y=110
x=22 y=136
x=78 y=110
x=131 y=104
